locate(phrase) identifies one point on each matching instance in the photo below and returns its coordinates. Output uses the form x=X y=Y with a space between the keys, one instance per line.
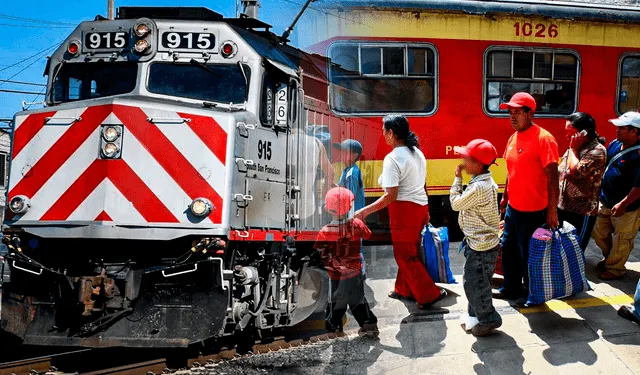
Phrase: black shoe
x=601 y=266
x=443 y=294
x=505 y=296
x=521 y=303
x=369 y=330
x=485 y=329
x=627 y=314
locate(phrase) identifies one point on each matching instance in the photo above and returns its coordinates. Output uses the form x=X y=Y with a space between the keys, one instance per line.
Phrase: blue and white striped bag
x=556 y=265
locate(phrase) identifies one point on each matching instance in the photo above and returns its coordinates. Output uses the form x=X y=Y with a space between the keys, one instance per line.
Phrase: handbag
x=556 y=265
x=435 y=250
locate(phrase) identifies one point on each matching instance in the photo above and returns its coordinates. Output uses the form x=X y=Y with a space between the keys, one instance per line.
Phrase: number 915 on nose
x=187 y=40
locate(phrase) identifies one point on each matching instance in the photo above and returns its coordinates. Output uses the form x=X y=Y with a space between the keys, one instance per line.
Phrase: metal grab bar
x=72 y=119
x=168 y=120
x=195 y=268
x=27 y=270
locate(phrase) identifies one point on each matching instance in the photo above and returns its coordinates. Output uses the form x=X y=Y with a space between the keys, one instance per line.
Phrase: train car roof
x=554 y=9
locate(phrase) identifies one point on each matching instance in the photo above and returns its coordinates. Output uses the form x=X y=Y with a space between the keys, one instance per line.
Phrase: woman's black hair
x=400 y=127
x=584 y=121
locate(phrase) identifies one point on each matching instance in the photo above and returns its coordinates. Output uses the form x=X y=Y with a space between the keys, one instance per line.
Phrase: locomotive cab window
x=629 y=84
x=550 y=76
x=80 y=81
x=382 y=78
x=218 y=83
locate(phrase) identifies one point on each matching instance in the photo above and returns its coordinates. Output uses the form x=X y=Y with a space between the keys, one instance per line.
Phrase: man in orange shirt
x=531 y=194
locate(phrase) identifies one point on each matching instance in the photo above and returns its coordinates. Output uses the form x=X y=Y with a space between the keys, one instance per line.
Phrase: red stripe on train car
x=210 y=132
x=103 y=216
x=169 y=157
x=29 y=128
x=61 y=151
x=124 y=179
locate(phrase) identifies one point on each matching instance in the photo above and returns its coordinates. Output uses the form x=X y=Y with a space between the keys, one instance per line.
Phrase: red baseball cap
x=338 y=201
x=480 y=150
x=519 y=100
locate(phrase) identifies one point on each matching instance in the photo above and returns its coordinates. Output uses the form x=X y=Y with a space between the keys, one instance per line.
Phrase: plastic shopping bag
x=556 y=265
x=435 y=247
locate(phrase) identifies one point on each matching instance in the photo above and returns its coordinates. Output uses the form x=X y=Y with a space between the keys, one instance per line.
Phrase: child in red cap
x=479 y=220
x=339 y=242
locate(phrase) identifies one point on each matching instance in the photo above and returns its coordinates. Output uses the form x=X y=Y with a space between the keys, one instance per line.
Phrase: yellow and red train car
x=448 y=64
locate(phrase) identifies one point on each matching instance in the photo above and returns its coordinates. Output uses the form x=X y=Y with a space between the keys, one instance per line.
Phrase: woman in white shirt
x=403 y=178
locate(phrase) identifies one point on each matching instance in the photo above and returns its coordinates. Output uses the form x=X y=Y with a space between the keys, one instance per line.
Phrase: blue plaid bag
x=556 y=265
x=435 y=250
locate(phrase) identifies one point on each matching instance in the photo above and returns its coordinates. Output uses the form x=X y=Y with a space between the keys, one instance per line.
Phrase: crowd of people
x=594 y=188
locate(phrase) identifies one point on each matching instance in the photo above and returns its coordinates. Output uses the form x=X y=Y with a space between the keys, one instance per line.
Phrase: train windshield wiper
x=203 y=66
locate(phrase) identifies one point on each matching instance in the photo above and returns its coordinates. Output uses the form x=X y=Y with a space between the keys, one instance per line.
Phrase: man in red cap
x=339 y=242
x=531 y=193
x=479 y=220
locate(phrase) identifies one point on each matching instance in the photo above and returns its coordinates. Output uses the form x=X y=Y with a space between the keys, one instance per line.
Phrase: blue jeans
x=518 y=229
x=478 y=272
x=635 y=308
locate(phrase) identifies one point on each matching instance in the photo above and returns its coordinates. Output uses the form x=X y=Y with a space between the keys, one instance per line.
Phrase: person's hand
x=459 y=170
x=360 y=214
x=577 y=141
x=619 y=209
x=503 y=204
x=552 y=218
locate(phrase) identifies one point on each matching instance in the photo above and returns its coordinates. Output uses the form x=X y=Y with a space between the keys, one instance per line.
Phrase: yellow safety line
x=570 y=304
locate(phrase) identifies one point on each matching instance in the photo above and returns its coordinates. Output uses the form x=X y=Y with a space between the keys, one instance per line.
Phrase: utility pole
x=110 y=9
x=251 y=8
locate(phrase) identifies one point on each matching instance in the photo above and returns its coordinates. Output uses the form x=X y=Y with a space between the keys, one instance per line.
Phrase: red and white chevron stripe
x=164 y=166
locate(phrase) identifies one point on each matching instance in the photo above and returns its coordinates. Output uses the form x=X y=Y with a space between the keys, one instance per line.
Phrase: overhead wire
x=35 y=26
x=30 y=57
x=35 y=20
x=19 y=92
x=330 y=14
x=22 y=83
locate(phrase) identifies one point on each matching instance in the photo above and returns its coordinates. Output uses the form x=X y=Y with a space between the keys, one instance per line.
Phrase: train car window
x=382 y=78
x=80 y=81
x=629 y=84
x=551 y=76
x=219 y=83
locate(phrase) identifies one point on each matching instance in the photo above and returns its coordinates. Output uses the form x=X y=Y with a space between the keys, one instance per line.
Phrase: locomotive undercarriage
x=98 y=293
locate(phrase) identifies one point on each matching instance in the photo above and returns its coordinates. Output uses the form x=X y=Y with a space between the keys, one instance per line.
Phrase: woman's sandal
x=443 y=294
x=394 y=295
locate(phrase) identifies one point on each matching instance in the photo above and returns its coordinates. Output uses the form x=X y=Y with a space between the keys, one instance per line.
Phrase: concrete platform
x=579 y=335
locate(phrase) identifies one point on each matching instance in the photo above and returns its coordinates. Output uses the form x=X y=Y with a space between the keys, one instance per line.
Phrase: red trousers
x=406 y=220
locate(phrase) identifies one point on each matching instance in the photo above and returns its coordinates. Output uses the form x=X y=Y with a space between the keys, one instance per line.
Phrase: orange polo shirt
x=527 y=154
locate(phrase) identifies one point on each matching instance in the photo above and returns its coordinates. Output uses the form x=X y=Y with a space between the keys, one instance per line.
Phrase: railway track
x=79 y=362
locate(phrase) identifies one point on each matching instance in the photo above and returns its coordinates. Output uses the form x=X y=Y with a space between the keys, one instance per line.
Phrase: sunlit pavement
x=579 y=335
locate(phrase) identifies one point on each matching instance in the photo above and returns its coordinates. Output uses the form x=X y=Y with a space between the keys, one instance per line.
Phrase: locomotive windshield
x=211 y=82
x=80 y=81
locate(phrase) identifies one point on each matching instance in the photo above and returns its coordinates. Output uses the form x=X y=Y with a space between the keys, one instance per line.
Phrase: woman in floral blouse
x=581 y=171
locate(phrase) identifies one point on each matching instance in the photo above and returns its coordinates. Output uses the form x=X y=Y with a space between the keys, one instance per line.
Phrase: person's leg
x=602 y=232
x=478 y=271
x=511 y=259
x=336 y=307
x=407 y=220
x=580 y=222
x=529 y=223
x=625 y=231
x=358 y=302
x=590 y=222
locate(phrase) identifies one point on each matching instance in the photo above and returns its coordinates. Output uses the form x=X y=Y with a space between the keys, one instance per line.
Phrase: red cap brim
x=512 y=105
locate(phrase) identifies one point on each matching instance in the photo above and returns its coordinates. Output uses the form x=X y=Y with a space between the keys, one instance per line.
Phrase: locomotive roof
x=553 y=9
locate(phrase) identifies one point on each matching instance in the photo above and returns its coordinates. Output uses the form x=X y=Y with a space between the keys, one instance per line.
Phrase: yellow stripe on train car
x=372 y=23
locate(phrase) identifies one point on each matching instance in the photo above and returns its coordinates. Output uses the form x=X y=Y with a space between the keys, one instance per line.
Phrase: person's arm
x=553 y=192
x=462 y=200
x=390 y=196
x=505 y=198
x=573 y=157
x=620 y=208
x=327 y=169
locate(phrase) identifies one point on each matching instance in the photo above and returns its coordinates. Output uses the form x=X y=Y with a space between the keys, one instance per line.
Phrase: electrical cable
x=22 y=92
x=30 y=64
x=34 y=20
x=30 y=57
x=35 y=26
x=23 y=83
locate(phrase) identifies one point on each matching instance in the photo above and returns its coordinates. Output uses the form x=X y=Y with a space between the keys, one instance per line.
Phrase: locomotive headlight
x=201 y=207
x=19 y=204
x=110 y=133
x=141 y=30
x=110 y=150
x=141 y=46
